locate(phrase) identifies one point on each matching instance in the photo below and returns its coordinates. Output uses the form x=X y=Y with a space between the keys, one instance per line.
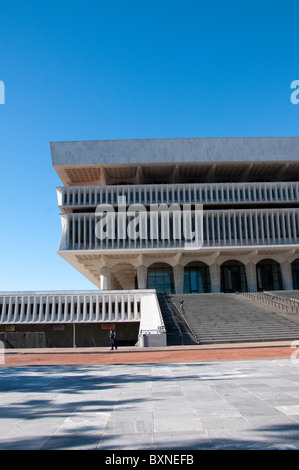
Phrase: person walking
x=112 y=337
x=182 y=307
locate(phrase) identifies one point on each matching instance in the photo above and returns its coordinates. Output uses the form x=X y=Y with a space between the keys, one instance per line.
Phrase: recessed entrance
x=268 y=275
x=233 y=277
x=196 y=278
x=160 y=277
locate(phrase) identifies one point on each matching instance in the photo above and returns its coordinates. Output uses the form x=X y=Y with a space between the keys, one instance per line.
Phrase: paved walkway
x=202 y=402
x=136 y=355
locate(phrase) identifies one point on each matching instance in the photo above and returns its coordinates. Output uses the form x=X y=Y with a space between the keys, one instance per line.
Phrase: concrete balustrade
x=201 y=193
x=84 y=307
x=246 y=227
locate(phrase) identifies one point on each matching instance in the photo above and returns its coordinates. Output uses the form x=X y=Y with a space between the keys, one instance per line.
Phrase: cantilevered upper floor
x=200 y=160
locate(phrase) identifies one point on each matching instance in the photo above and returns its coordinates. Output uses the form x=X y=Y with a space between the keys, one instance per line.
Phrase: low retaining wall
x=79 y=318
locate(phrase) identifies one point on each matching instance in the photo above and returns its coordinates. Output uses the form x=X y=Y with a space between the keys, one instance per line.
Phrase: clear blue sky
x=80 y=70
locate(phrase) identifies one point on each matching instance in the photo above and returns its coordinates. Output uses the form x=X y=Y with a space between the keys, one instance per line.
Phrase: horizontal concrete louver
x=220 y=228
x=59 y=307
x=201 y=193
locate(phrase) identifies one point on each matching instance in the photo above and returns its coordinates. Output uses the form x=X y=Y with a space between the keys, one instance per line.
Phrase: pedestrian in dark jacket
x=112 y=337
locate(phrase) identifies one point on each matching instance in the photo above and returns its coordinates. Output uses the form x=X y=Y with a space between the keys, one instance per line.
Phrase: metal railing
x=174 y=319
x=288 y=305
x=183 y=317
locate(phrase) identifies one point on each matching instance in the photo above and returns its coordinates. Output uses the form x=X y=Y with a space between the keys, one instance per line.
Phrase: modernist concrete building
x=172 y=215
x=248 y=189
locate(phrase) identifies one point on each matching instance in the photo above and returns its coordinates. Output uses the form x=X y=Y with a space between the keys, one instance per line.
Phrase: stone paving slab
x=192 y=406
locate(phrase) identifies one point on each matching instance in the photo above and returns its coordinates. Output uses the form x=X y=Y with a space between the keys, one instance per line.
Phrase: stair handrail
x=275 y=300
x=184 y=319
x=173 y=317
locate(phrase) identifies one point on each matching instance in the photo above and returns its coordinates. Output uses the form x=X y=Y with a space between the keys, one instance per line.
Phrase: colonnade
x=224 y=275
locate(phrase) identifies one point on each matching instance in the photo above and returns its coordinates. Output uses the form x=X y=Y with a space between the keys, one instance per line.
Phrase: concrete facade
x=248 y=189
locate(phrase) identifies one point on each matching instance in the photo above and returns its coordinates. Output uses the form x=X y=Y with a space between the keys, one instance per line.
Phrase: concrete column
x=251 y=276
x=286 y=274
x=178 y=275
x=105 y=278
x=215 y=277
x=142 y=277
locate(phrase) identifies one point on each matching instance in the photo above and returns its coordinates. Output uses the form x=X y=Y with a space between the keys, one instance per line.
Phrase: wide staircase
x=227 y=318
x=178 y=331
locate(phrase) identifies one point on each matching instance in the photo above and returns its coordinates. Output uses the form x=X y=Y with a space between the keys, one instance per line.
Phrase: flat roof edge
x=172 y=150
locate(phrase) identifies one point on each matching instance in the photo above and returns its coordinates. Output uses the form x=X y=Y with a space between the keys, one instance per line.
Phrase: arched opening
x=268 y=275
x=233 y=277
x=123 y=277
x=160 y=277
x=295 y=273
x=197 y=278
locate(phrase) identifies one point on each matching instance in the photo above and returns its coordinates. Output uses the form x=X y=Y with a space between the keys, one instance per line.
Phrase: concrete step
x=234 y=318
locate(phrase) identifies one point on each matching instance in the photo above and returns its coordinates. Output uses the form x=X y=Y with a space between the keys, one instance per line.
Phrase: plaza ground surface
x=234 y=397
x=136 y=355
